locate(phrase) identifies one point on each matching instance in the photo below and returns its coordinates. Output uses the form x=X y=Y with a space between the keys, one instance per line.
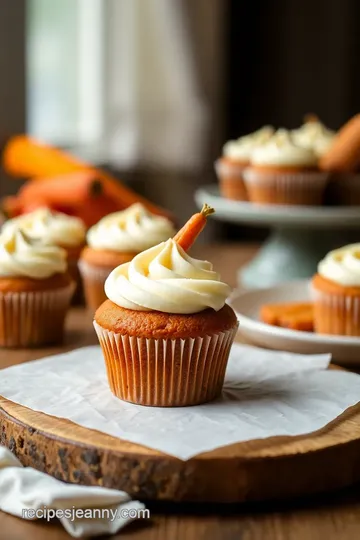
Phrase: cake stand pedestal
x=300 y=235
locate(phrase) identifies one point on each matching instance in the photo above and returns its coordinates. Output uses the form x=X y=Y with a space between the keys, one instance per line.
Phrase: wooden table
x=330 y=516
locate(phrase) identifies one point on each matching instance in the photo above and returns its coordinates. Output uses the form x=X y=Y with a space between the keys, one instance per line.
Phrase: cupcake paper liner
x=165 y=372
x=231 y=181
x=93 y=280
x=302 y=188
x=336 y=314
x=33 y=318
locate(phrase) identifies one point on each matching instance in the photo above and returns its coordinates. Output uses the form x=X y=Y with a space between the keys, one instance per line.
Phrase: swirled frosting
x=53 y=228
x=133 y=229
x=242 y=148
x=21 y=256
x=164 y=278
x=342 y=266
x=314 y=135
x=282 y=151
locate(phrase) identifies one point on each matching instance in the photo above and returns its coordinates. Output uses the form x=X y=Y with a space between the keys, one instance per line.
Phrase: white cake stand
x=300 y=237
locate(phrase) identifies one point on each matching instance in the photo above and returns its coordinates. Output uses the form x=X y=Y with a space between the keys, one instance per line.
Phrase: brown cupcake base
x=155 y=324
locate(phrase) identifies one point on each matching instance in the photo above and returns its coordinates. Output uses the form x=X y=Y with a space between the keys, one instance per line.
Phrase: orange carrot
x=64 y=189
x=191 y=230
x=24 y=157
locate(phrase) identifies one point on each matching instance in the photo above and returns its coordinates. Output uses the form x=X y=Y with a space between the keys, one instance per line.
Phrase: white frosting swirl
x=342 y=266
x=314 y=135
x=133 y=229
x=21 y=256
x=164 y=278
x=242 y=148
x=281 y=151
x=53 y=228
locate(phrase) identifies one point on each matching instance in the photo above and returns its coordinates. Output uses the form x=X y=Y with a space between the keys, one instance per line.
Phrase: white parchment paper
x=267 y=393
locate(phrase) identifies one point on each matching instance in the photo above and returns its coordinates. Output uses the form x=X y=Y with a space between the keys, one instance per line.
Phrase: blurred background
x=152 y=89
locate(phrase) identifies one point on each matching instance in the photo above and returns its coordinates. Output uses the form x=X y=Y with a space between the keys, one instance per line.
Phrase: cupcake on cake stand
x=300 y=235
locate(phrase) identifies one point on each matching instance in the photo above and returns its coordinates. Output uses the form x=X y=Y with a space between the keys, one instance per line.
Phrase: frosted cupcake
x=115 y=240
x=313 y=134
x=54 y=229
x=35 y=291
x=235 y=157
x=336 y=291
x=281 y=172
x=165 y=330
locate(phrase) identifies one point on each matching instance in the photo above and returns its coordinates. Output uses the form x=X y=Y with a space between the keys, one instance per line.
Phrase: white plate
x=345 y=350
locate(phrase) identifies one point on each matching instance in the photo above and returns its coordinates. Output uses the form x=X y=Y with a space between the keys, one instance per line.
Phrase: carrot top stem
x=191 y=230
x=207 y=210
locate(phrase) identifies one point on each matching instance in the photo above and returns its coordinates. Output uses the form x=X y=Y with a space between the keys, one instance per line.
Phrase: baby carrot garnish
x=191 y=230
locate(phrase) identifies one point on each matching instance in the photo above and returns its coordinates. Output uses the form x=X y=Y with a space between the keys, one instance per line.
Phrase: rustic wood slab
x=264 y=469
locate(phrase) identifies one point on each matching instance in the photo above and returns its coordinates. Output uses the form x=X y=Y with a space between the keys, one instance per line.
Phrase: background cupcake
x=235 y=158
x=54 y=229
x=281 y=172
x=314 y=135
x=35 y=291
x=116 y=239
x=336 y=291
x=166 y=331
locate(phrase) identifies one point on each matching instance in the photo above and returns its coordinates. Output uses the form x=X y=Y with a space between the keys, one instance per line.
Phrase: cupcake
x=115 y=240
x=235 y=158
x=336 y=292
x=35 y=291
x=55 y=229
x=165 y=330
x=313 y=134
x=281 y=172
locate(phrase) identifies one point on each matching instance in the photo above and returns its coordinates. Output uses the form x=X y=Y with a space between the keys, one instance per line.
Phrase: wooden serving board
x=263 y=469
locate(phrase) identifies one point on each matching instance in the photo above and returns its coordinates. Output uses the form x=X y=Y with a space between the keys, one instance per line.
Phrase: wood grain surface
x=334 y=516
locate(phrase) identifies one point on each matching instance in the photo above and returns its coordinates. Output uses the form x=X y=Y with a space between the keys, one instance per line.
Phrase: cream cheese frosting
x=282 y=151
x=342 y=266
x=22 y=256
x=165 y=278
x=53 y=228
x=133 y=229
x=242 y=148
x=314 y=135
